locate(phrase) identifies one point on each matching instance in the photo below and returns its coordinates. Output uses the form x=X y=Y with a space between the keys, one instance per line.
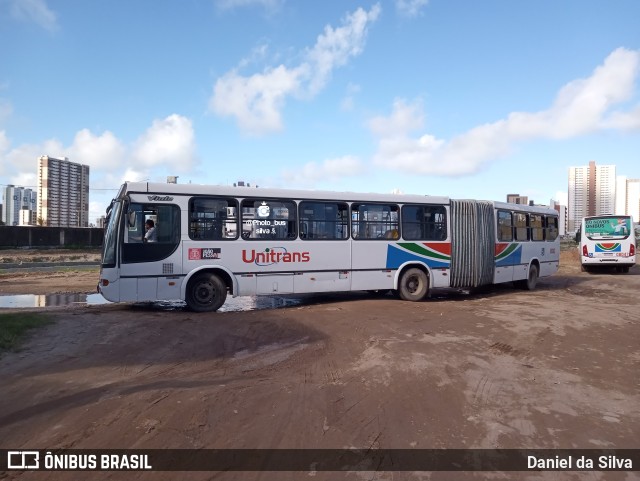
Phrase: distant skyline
x=457 y=98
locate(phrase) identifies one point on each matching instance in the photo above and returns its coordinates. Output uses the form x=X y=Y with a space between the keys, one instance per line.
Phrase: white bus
x=607 y=241
x=219 y=240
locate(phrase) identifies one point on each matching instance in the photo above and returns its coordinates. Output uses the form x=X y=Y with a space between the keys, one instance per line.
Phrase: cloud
x=313 y=173
x=623 y=120
x=336 y=46
x=35 y=11
x=561 y=197
x=256 y=101
x=581 y=107
x=410 y=8
x=98 y=151
x=23 y=160
x=169 y=142
x=166 y=147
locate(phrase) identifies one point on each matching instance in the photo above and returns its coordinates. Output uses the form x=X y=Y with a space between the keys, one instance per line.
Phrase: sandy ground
x=553 y=368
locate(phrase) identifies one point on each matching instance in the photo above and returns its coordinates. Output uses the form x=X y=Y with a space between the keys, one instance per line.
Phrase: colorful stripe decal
x=434 y=255
x=439 y=255
x=609 y=247
x=508 y=254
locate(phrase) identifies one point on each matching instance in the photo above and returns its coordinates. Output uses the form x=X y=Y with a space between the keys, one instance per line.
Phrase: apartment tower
x=592 y=191
x=628 y=197
x=63 y=193
x=16 y=200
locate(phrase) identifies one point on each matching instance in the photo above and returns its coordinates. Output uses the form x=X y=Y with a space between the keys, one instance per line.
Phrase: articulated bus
x=212 y=241
x=607 y=241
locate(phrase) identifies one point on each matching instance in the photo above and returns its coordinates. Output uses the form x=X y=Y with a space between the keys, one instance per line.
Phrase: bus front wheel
x=206 y=292
x=414 y=285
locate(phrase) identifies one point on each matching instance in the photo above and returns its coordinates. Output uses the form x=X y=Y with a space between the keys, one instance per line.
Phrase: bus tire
x=531 y=281
x=414 y=285
x=625 y=270
x=206 y=292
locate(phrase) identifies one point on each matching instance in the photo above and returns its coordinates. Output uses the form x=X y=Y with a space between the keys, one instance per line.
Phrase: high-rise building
x=628 y=197
x=63 y=193
x=15 y=199
x=592 y=191
x=562 y=216
x=633 y=199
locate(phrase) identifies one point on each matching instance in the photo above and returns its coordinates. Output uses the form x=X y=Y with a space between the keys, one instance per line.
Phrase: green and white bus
x=607 y=241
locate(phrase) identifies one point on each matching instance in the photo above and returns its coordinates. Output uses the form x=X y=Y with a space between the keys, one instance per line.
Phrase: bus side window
x=521 y=226
x=551 y=228
x=269 y=219
x=536 y=227
x=212 y=218
x=373 y=221
x=505 y=226
x=323 y=220
x=166 y=219
x=134 y=232
x=424 y=222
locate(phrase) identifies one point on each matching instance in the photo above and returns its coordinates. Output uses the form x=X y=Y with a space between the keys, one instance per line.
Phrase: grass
x=15 y=327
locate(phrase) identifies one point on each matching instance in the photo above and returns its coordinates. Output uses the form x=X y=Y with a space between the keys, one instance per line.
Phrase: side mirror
x=131 y=218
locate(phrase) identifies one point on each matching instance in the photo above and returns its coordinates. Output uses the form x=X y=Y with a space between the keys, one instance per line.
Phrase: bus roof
x=244 y=192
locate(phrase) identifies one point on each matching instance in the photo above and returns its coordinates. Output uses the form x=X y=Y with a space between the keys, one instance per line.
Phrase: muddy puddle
x=69 y=299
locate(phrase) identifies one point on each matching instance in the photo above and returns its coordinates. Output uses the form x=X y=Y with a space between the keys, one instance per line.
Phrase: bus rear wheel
x=206 y=292
x=531 y=281
x=414 y=285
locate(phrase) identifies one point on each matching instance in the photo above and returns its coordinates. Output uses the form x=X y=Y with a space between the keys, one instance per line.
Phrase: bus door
x=374 y=226
x=506 y=250
x=324 y=247
x=151 y=262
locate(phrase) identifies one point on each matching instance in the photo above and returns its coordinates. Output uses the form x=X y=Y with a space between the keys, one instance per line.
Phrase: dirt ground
x=553 y=368
x=11 y=256
x=61 y=281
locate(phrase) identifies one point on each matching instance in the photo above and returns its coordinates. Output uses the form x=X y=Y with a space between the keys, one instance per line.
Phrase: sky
x=460 y=98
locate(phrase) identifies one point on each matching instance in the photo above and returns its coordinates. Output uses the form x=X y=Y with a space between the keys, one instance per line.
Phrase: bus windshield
x=111 y=235
x=607 y=227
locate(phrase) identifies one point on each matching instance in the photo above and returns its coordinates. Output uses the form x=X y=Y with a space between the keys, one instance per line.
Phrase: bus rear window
x=607 y=227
